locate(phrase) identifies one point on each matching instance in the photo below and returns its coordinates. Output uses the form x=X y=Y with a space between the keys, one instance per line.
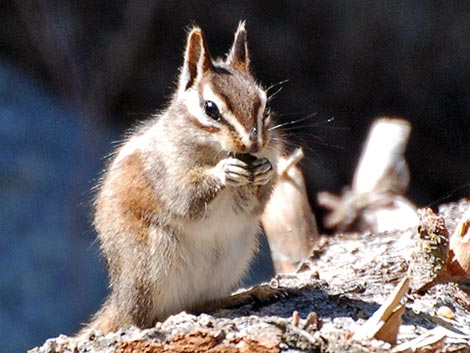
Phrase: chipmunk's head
x=221 y=98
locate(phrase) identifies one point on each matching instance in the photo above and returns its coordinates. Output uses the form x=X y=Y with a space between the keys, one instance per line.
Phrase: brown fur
x=138 y=201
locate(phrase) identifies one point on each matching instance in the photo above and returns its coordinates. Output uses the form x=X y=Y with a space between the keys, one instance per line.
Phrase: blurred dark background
x=74 y=75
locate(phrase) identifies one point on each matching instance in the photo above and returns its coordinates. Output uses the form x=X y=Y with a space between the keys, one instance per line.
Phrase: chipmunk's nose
x=254 y=134
x=254 y=139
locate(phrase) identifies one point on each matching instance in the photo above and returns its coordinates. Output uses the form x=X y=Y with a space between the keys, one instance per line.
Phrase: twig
x=384 y=323
x=374 y=201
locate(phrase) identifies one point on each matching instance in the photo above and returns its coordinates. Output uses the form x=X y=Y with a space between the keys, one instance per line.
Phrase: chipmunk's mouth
x=245 y=157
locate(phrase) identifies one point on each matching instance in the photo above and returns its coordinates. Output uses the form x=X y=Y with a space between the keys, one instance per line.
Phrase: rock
x=339 y=288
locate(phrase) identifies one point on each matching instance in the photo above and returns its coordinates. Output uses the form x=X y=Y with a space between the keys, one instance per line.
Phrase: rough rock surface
x=335 y=291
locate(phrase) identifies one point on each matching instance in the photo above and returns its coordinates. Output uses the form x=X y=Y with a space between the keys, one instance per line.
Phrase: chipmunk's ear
x=238 y=56
x=197 y=60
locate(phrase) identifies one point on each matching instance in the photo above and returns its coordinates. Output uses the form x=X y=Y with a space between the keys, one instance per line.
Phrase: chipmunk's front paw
x=240 y=171
x=233 y=172
x=262 y=170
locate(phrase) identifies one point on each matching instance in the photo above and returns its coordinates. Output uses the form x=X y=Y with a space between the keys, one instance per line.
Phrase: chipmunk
x=178 y=206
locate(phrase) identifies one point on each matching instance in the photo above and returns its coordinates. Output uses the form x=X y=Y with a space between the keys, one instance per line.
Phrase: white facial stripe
x=208 y=94
x=232 y=120
x=191 y=102
x=260 y=120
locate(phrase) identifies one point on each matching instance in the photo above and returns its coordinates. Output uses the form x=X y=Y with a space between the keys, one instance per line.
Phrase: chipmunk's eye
x=211 y=110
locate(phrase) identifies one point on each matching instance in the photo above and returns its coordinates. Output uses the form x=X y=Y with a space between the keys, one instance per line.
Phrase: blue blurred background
x=74 y=75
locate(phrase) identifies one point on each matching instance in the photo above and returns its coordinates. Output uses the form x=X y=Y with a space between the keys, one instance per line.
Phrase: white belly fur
x=214 y=253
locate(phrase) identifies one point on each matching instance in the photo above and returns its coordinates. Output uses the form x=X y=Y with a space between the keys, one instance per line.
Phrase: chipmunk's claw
x=259 y=294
